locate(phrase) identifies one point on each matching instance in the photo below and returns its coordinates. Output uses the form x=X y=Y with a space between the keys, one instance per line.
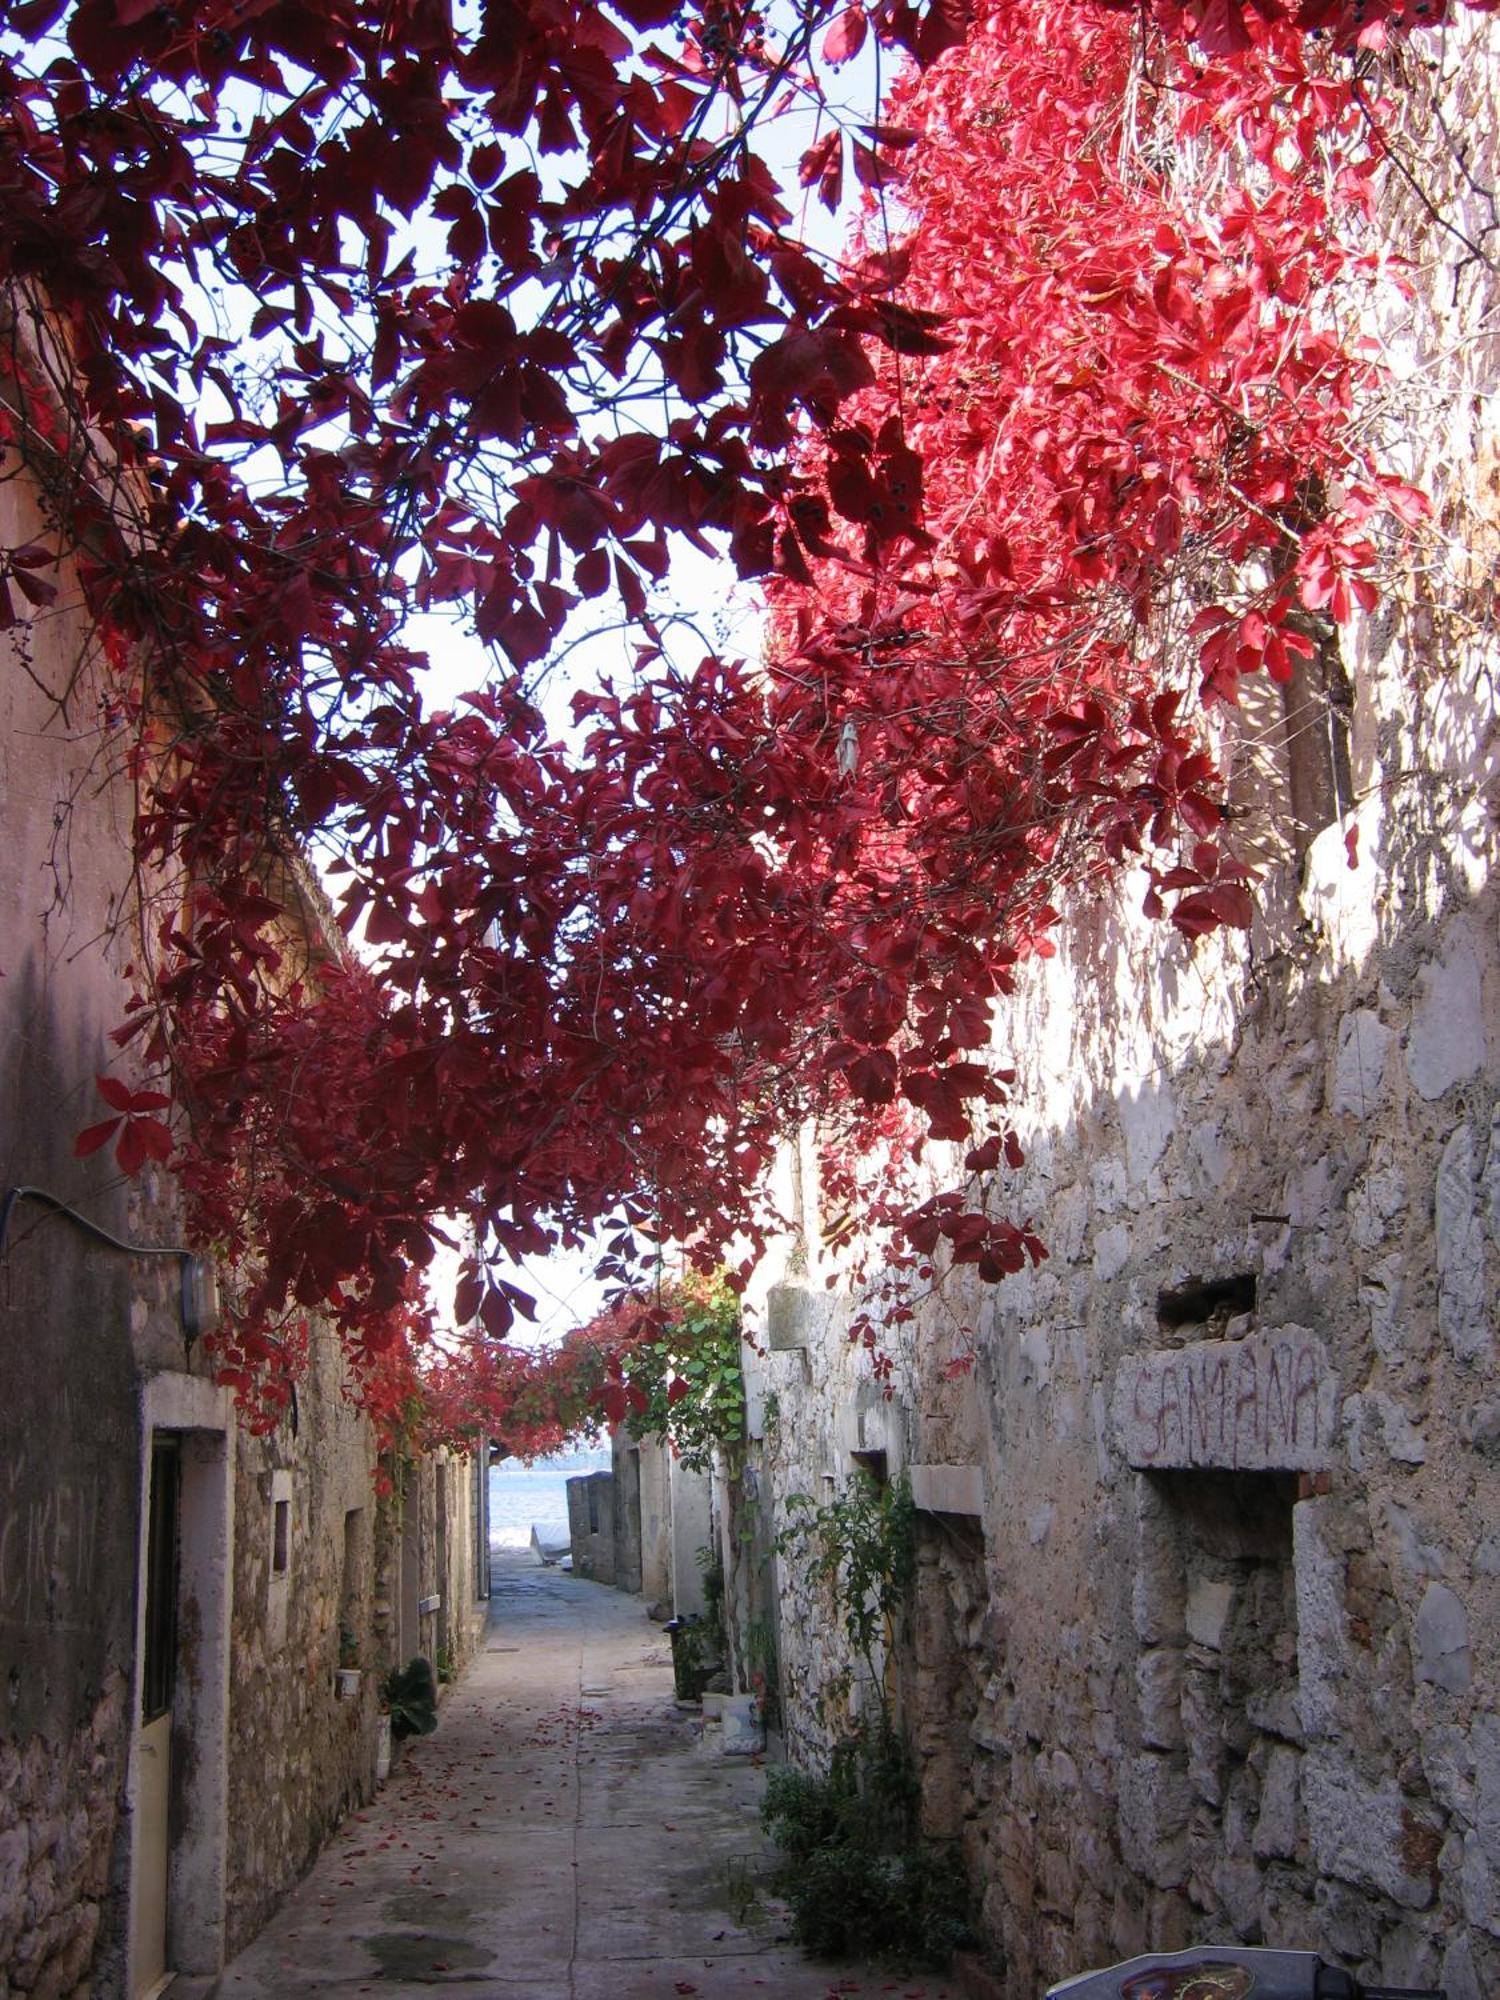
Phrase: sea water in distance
x=527 y=1496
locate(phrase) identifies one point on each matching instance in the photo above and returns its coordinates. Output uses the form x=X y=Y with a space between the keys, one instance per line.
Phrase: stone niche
x=1267 y=1403
x=1211 y=1801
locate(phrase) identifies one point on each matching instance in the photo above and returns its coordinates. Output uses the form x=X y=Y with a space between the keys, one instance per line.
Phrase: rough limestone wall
x=57 y=1817
x=1225 y=1700
x=457 y=1572
x=812 y=1405
x=1235 y=1667
x=299 y=1757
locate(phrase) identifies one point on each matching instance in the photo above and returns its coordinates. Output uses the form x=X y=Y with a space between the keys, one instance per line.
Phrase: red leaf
x=846 y=37
x=95 y=1136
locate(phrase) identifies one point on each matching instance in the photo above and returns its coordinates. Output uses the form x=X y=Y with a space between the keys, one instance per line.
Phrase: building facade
x=177 y=1597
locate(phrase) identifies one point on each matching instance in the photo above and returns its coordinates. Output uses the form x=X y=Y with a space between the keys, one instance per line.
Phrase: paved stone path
x=561 y=1837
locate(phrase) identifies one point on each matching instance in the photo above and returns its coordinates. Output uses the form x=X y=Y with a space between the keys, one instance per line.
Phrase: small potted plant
x=347 y=1675
x=409 y=1697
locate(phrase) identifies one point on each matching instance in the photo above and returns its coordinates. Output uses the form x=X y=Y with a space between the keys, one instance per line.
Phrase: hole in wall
x=1202 y=1300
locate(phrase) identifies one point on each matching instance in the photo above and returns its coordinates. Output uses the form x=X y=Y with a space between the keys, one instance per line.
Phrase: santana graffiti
x=1265 y=1403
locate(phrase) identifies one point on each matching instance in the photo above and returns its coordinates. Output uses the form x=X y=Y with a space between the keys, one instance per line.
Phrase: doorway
x=158 y=1680
x=178 y=1782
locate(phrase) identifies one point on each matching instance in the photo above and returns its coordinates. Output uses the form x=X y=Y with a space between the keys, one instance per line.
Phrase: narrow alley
x=561 y=1837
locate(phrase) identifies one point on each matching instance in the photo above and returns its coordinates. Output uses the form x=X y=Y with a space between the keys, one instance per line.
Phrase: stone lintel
x=1267 y=1403
x=948 y=1489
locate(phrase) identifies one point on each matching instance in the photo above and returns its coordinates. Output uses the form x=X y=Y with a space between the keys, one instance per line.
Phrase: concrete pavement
x=561 y=1837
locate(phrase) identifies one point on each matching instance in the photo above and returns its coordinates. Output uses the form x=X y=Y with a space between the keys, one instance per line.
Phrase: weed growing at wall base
x=857 y=1874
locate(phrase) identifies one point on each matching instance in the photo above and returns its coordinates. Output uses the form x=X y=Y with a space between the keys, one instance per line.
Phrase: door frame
x=200 y=1417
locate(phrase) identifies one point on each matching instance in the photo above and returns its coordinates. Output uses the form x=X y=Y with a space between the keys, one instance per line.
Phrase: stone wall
x=57 y=1823
x=264 y=1757
x=78 y=1321
x=300 y=1755
x=1206 y=1637
x=591 y=1525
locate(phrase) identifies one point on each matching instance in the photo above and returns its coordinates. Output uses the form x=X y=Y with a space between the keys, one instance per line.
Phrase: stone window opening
x=279 y=1564
x=352 y=1588
x=1205 y=1302
x=875 y=1465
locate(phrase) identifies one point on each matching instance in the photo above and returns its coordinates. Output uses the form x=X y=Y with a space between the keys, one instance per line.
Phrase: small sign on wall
x=1268 y=1403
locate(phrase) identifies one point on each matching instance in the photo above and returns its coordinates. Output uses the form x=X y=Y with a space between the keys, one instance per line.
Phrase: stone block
x=1158 y=1681
x=1278 y=1826
x=1148 y=1119
x=1442 y=1640
x=1481 y=1894
x=1378 y=1428
x=1460 y=1980
x=14 y=1846
x=1209 y=1604
x=1359 y=1060
x=948 y=1489
x=796 y=1317
x=1362 y=1833
x=1463 y=1302
x=1155 y=1805
x=1445 y=1042
x=1238 y=1885
x=1157 y=1596
x=1268 y=1402
x=1112 y=1251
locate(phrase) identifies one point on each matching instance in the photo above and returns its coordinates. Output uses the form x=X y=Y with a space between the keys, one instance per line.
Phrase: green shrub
x=858 y=1876
x=410 y=1695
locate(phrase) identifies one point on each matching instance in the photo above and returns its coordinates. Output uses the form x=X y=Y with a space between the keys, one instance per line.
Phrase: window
x=281 y=1529
x=159 y=1667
